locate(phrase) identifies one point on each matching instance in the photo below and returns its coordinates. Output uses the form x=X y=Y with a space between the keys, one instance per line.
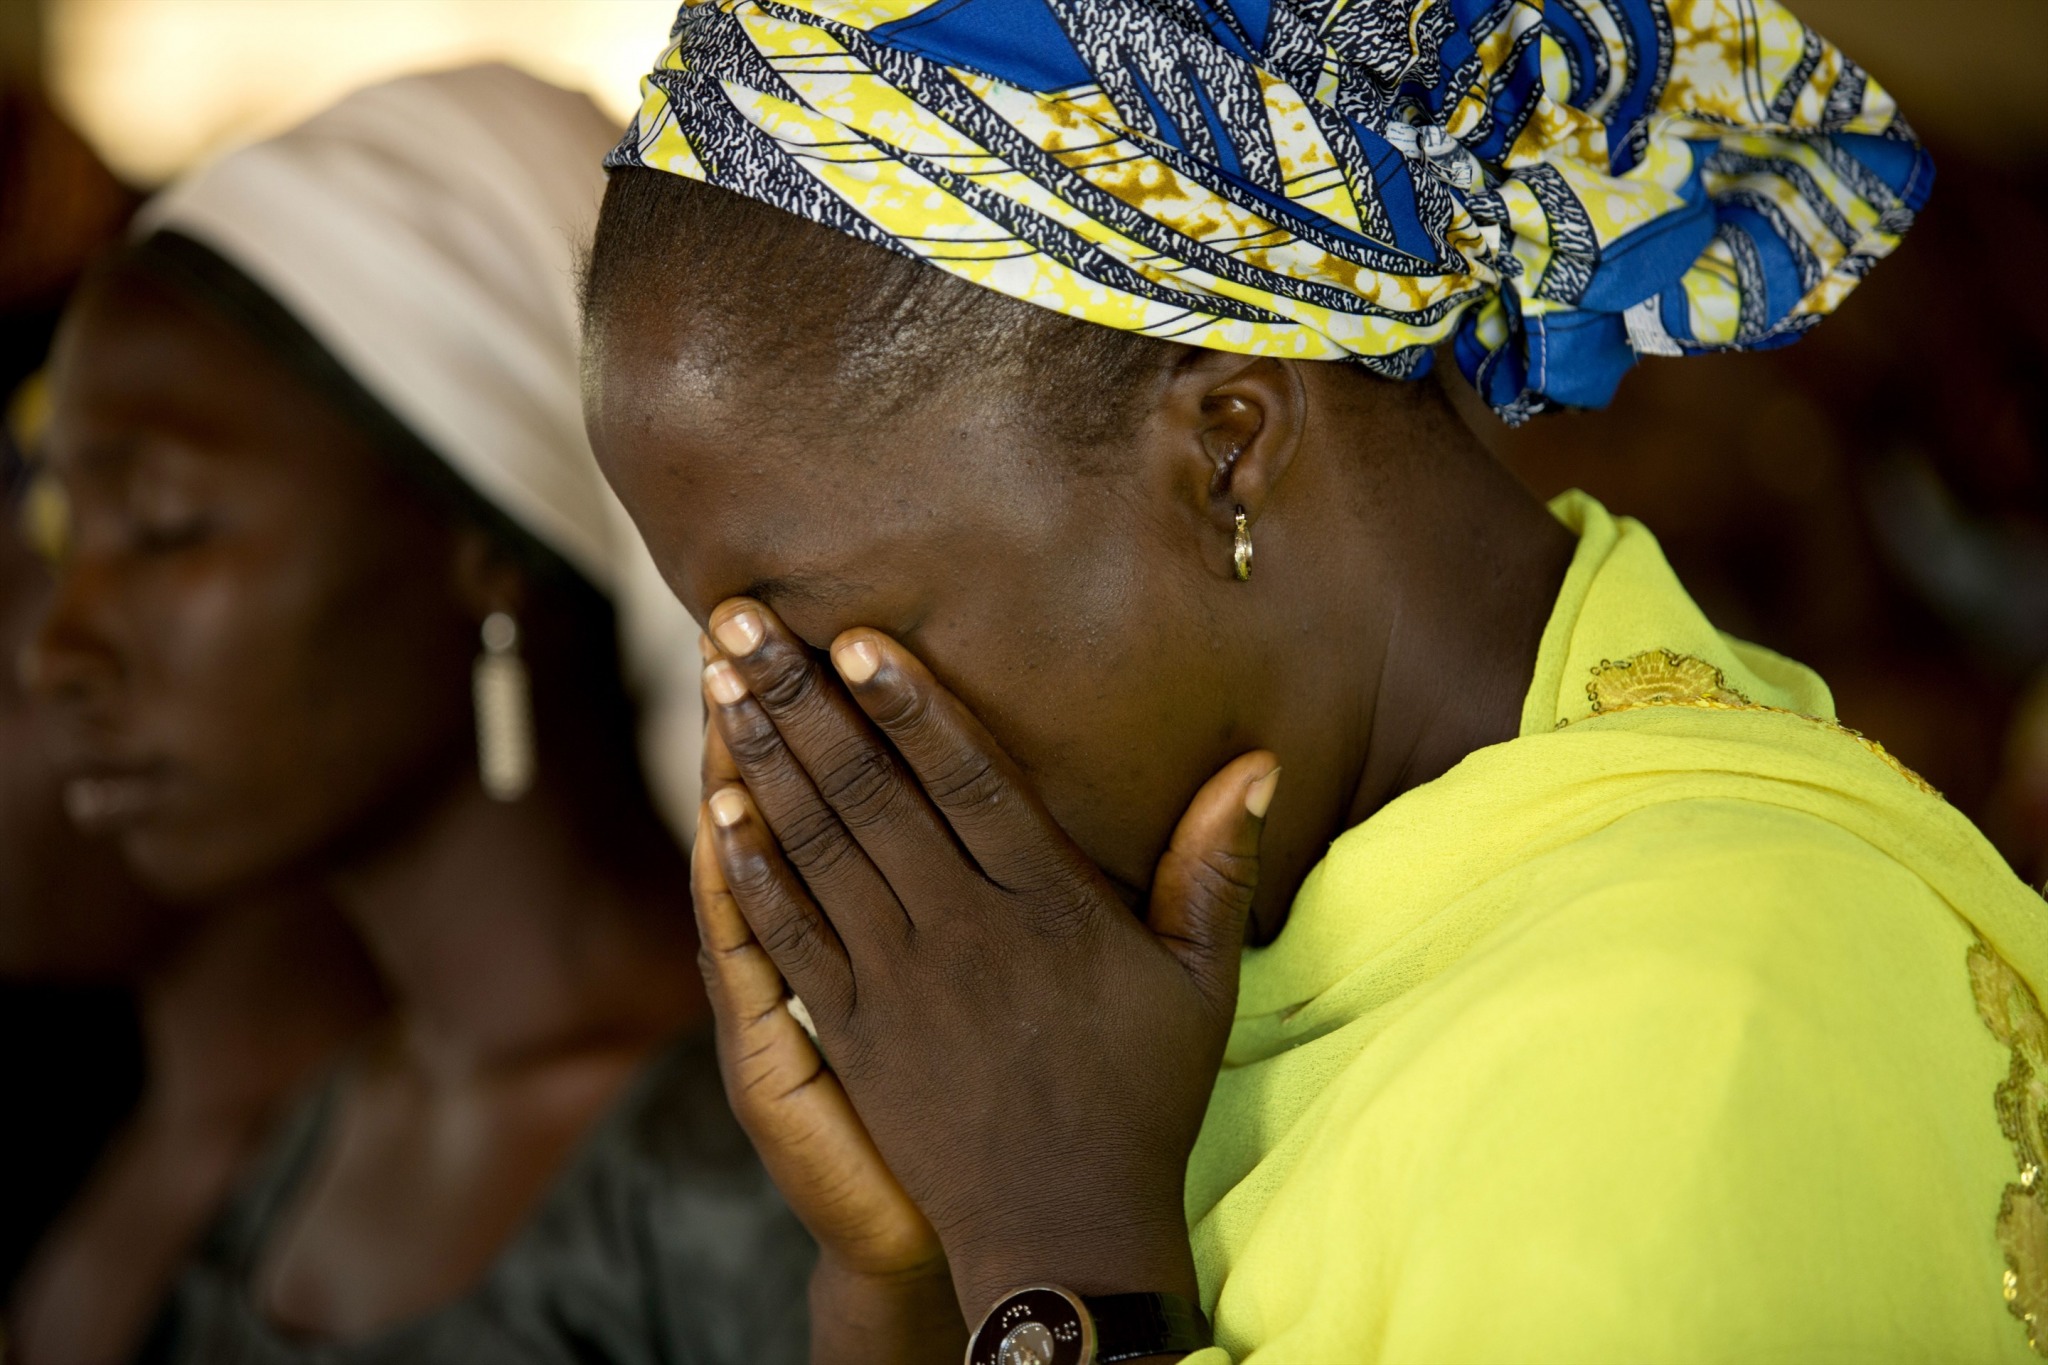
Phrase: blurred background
x=1872 y=501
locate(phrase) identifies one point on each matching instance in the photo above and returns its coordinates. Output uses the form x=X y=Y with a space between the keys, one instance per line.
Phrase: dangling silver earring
x=504 y=712
x=1241 y=550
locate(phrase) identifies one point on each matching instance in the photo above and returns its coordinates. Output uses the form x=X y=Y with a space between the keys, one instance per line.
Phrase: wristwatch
x=1047 y=1325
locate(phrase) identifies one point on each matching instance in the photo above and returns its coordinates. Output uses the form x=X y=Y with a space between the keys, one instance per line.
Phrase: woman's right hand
x=882 y=1290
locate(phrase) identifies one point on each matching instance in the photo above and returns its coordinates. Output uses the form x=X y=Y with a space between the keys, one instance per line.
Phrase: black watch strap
x=1047 y=1325
x=1134 y=1326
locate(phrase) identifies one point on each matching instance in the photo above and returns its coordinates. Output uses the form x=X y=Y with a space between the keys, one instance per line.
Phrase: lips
x=110 y=799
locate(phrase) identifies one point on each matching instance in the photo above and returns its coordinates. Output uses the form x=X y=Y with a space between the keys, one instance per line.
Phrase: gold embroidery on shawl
x=1659 y=677
x=2007 y=1005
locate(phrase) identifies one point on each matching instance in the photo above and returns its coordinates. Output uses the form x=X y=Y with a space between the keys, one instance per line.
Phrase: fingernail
x=857 y=660
x=728 y=807
x=724 y=682
x=739 y=634
x=1258 y=797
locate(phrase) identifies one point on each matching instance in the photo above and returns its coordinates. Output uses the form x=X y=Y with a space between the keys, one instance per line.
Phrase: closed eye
x=814 y=607
x=169 y=536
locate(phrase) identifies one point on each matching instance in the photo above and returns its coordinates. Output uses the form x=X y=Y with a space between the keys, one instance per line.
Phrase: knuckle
x=861 y=783
x=967 y=781
x=1222 y=880
x=1059 y=911
x=794 y=941
x=752 y=882
x=787 y=680
x=752 y=741
x=814 y=841
x=1229 y=873
x=1040 y=876
x=903 y=710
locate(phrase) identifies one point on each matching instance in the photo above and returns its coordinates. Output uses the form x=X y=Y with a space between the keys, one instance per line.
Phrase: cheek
x=1098 y=693
x=297 y=689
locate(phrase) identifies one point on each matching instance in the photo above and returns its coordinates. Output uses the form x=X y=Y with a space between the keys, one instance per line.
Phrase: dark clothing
x=71 y=1068
x=662 y=1243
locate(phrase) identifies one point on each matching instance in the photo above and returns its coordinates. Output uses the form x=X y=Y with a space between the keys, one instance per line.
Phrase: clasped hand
x=1018 y=1063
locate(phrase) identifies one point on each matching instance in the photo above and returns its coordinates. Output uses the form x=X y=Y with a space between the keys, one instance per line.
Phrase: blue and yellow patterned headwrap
x=1560 y=185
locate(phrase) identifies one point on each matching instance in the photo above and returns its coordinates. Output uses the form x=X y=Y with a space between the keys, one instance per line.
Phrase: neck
x=265 y=991
x=1458 y=642
x=502 y=937
x=1432 y=663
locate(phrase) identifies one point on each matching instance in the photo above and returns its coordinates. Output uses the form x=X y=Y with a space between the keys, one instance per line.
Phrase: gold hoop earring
x=504 y=711
x=1241 y=550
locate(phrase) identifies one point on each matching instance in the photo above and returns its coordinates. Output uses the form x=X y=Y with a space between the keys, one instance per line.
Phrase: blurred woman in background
x=346 y=593
x=149 y=1047
x=234 y=1006
x=72 y=929
x=70 y=1052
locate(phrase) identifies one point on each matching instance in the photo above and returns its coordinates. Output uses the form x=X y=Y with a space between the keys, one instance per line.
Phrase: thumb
x=1204 y=885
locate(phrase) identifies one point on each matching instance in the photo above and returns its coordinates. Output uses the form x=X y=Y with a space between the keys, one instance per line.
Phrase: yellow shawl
x=1688 y=1025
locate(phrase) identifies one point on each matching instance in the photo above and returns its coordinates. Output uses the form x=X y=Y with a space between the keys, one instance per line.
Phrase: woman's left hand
x=1031 y=1059
x=881 y=1290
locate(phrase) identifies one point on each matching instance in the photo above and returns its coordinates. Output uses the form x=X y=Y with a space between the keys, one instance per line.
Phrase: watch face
x=1035 y=1327
x=1028 y=1343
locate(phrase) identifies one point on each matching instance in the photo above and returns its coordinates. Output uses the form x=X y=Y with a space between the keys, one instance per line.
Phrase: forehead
x=133 y=355
x=138 y=363
x=127 y=334
x=747 y=480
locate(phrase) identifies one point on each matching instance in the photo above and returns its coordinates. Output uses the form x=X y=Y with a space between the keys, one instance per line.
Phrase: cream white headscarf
x=426 y=231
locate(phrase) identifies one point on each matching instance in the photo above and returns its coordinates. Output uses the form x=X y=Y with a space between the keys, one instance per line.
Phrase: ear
x=1240 y=420
x=484 y=578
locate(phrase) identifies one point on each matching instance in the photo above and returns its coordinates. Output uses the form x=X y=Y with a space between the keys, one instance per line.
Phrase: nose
x=73 y=657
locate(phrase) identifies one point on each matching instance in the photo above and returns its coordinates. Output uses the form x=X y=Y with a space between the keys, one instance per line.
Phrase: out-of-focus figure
x=346 y=596
x=252 y=999
x=70 y=923
x=58 y=207
x=71 y=926
x=236 y=1003
x=105 y=924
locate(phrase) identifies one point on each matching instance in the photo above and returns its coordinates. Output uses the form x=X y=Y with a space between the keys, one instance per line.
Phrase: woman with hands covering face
x=877 y=794
x=1012 y=395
